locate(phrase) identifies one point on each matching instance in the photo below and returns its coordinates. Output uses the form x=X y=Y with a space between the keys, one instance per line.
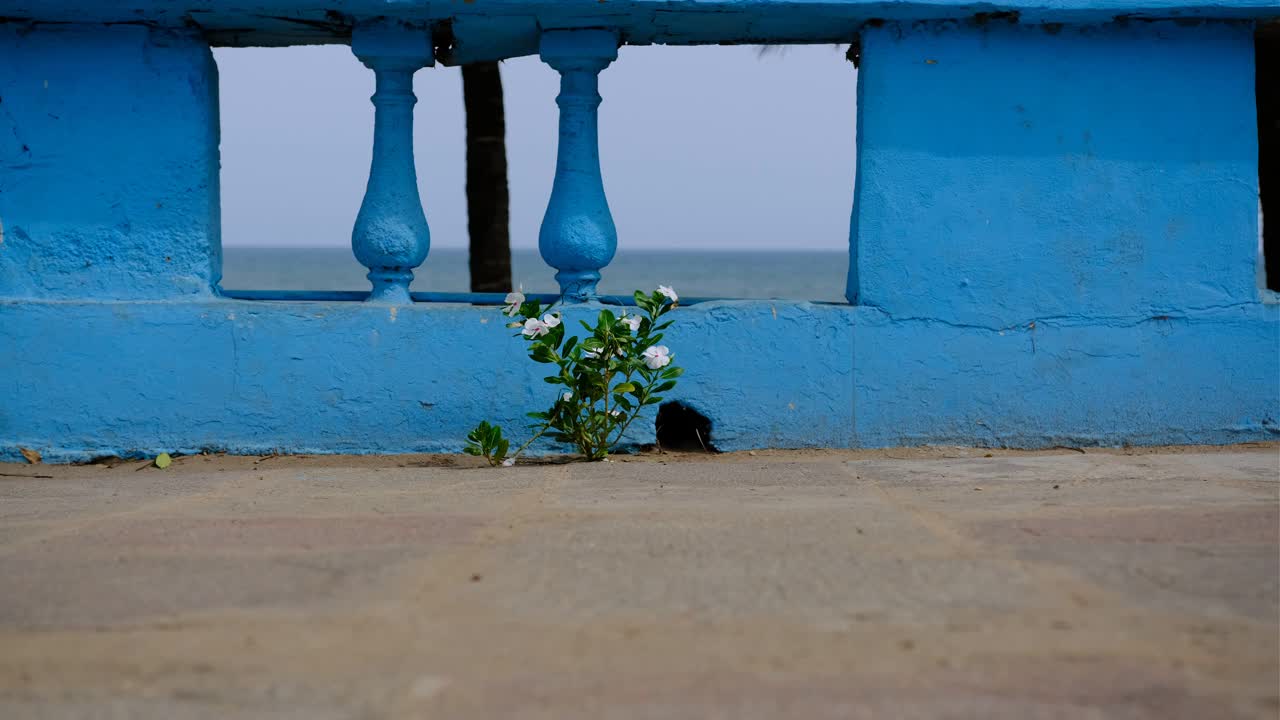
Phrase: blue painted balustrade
x=577 y=236
x=391 y=236
x=1053 y=241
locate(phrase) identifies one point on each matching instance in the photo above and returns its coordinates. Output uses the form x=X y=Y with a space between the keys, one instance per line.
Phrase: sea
x=817 y=275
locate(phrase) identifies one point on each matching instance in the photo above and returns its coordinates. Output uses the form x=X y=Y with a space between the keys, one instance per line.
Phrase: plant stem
x=636 y=413
x=544 y=429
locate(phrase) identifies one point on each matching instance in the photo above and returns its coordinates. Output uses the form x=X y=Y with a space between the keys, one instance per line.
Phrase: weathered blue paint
x=108 y=163
x=577 y=235
x=128 y=378
x=252 y=377
x=1053 y=237
x=391 y=236
x=496 y=29
x=1195 y=376
x=1114 y=176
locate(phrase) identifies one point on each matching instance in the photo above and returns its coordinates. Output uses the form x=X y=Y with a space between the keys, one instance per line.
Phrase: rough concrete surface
x=898 y=584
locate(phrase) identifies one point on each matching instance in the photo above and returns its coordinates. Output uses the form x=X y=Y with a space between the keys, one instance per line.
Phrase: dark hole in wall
x=680 y=427
x=1267 y=79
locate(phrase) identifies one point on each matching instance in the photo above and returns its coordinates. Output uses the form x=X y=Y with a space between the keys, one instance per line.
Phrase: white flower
x=592 y=354
x=671 y=294
x=533 y=327
x=657 y=356
x=508 y=462
x=551 y=319
x=567 y=396
x=616 y=413
x=631 y=322
x=513 y=300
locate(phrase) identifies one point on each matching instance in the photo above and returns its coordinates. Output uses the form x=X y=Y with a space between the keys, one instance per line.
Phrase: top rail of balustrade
x=496 y=29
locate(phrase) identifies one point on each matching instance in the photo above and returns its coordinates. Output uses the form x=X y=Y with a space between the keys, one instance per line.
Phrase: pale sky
x=703 y=147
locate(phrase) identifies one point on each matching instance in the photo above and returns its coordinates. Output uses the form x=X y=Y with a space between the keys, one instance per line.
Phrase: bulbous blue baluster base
x=390 y=285
x=578 y=285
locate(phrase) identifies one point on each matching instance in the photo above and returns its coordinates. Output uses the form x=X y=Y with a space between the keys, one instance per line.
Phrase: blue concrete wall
x=137 y=378
x=1054 y=237
x=1194 y=377
x=108 y=163
x=1007 y=173
x=127 y=378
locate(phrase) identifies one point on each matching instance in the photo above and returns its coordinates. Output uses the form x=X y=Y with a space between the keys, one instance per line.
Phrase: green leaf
x=471 y=450
x=542 y=353
x=653 y=400
x=163 y=460
x=552 y=379
x=607 y=319
x=624 y=387
x=665 y=386
x=568 y=345
x=672 y=373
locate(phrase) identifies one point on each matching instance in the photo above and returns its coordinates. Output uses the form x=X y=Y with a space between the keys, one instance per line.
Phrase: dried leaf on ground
x=32 y=456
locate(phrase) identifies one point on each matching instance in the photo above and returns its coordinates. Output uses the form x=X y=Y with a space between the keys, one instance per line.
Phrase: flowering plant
x=603 y=380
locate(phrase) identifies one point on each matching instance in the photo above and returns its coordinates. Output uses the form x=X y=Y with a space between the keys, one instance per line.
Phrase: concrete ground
x=926 y=584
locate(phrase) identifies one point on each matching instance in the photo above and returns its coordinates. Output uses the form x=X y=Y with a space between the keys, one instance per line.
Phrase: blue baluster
x=577 y=236
x=391 y=236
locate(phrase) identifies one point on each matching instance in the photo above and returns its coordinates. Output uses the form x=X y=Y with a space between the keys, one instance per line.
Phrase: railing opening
x=296 y=126
x=728 y=170
x=1267 y=77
